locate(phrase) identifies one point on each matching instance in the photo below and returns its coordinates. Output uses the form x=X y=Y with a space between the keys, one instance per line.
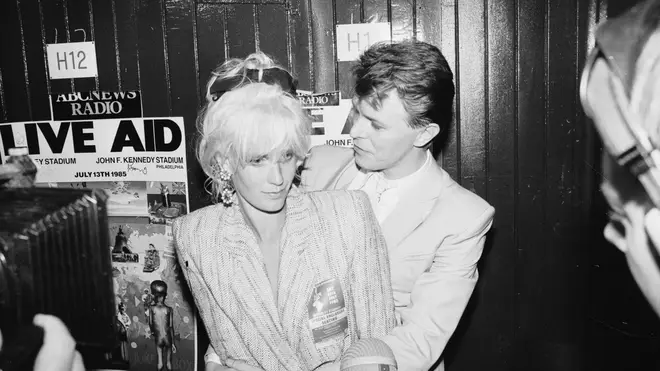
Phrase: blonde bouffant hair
x=250 y=120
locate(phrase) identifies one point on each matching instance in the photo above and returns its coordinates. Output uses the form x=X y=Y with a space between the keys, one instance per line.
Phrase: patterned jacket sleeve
x=370 y=273
x=198 y=288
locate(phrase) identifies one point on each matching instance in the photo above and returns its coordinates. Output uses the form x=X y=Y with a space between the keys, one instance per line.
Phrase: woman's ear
x=224 y=164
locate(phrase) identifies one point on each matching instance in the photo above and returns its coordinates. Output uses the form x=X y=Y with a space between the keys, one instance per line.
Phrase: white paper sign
x=71 y=60
x=135 y=149
x=353 y=39
x=331 y=126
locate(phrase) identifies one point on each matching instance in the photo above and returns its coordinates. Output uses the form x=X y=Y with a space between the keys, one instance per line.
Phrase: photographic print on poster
x=166 y=201
x=124 y=198
x=152 y=300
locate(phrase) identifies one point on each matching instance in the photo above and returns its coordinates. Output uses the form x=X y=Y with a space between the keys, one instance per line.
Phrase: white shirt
x=384 y=193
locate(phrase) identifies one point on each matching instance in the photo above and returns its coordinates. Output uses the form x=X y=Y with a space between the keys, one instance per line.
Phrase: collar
x=242 y=239
x=400 y=183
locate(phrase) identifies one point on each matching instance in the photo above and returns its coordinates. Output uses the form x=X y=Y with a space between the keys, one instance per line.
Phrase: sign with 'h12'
x=71 y=60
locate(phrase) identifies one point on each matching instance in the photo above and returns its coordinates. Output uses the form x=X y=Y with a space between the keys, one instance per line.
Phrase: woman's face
x=264 y=182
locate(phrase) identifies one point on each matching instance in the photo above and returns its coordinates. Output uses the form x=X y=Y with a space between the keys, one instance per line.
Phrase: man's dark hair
x=419 y=73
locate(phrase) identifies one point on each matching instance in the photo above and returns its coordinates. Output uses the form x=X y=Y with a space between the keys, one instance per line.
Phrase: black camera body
x=55 y=259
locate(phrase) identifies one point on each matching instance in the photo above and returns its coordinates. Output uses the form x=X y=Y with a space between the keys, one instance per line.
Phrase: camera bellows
x=55 y=259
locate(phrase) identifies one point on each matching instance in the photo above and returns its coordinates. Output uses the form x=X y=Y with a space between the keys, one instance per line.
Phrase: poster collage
x=146 y=275
x=140 y=163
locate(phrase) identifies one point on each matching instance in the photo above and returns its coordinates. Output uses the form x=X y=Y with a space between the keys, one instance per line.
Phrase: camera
x=54 y=259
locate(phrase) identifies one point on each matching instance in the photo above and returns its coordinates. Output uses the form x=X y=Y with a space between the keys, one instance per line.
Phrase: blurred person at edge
x=620 y=91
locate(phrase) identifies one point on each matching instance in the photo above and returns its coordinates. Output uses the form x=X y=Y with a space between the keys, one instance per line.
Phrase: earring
x=224 y=178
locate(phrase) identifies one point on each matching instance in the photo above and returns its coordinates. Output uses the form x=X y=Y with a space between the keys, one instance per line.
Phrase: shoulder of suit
x=187 y=227
x=464 y=204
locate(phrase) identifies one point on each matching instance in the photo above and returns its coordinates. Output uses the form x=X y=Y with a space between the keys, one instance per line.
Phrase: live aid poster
x=141 y=164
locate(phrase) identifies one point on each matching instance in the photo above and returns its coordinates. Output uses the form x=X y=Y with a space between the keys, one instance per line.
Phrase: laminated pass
x=327 y=313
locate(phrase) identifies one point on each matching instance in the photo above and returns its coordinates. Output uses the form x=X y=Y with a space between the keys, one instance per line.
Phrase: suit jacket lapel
x=414 y=205
x=296 y=278
x=250 y=285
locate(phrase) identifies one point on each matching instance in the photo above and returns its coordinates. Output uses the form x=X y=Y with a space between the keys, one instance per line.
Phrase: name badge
x=327 y=313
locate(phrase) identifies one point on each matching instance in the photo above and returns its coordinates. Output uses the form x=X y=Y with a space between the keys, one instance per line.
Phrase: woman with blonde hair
x=283 y=280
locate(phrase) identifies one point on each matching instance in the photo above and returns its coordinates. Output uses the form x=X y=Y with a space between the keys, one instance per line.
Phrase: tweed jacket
x=435 y=236
x=327 y=235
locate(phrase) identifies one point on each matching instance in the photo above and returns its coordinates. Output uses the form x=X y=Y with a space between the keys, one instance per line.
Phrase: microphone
x=368 y=355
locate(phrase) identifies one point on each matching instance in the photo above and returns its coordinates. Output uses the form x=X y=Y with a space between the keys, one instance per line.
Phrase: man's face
x=382 y=138
x=628 y=231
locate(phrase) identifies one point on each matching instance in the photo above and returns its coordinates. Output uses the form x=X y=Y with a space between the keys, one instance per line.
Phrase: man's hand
x=59 y=350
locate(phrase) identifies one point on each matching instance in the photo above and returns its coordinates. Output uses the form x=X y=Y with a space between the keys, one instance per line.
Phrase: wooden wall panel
x=557 y=256
x=376 y=11
x=531 y=201
x=126 y=19
x=347 y=12
x=12 y=65
x=105 y=36
x=35 y=61
x=79 y=18
x=152 y=59
x=323 y=50
x=211 y=41
x=501 y=186
x=183 y=80
x=54 y=20
x=272 y=32
x=445 y=37
x=300 y=41
x=472 y=98
x=3 y=102
x=240 y=34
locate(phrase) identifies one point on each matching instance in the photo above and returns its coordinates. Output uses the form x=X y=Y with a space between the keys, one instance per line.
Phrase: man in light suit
x=434 y=228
